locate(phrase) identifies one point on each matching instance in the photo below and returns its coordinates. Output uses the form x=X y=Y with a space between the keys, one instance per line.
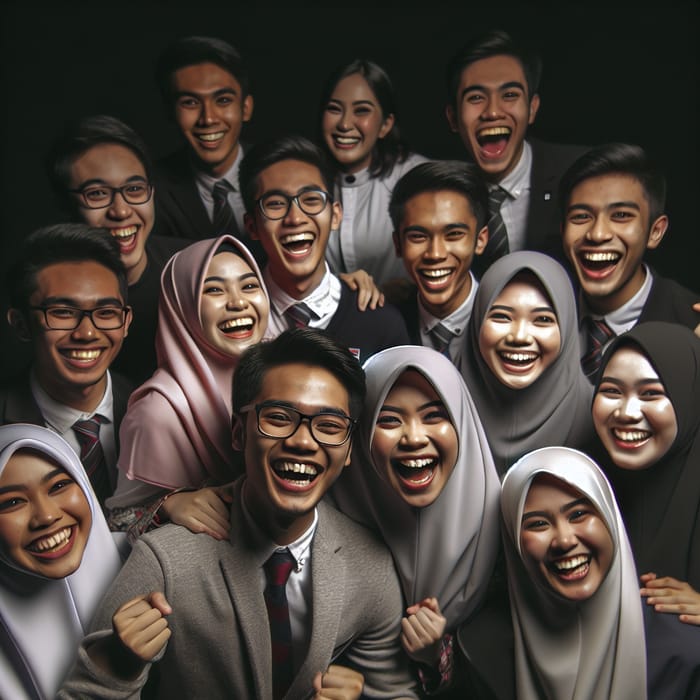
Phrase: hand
x=141 y=627
x=696 y=307
x=368 y=294
x=422 y=630
x=206 y=510
x=669 y=595
x=338 y=683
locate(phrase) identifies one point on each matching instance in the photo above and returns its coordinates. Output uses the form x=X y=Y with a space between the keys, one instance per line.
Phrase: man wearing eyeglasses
x=287 y=186
x=230 y=626
x=68 y=297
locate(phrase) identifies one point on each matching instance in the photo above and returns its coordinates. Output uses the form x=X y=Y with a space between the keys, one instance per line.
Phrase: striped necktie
x=497 y=246
x=224 y=220
x=598 y=333
x=298 y=315
x=277 y=570
x=92 y=456
x=441 y=336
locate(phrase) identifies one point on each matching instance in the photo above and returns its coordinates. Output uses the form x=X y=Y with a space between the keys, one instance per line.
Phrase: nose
x=119 y=208
x=564 y=536
x=598 y=232
x=413 y=434
x=436 y=249
x=630 y=409
x=85 y=330
x=492 y=108
x=44 y=512
x=344 y=121
x=236 y=300
x=520 y=333
x=301 y=440
x=295 y=215
x=206 y=113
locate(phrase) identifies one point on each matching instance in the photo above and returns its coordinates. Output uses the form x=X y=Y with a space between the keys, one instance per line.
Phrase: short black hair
x=493 y=42
x=455 y=175
x=306 y=346
x=80 y=136
x=193 y=50
x=66 y=242
x=267 y=153
x=616 y=158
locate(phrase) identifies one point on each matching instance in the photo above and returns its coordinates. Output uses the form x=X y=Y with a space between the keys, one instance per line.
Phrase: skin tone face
x=632 y=412
x=45 y=518
x=415 y=444
x=71 y=365
x=352 y=122
x=564 y=539
x=131 y=224
x=233 y=307
x=438 y=239
x=210 y=111
x=520 y=335
x=295 y=245
x=491 y=113
x=605 y=233
x=287 y=477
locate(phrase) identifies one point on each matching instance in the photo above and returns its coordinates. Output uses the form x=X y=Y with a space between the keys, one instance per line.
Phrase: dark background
x=624 y=73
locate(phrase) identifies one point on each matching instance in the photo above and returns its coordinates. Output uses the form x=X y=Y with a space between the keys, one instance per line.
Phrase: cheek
x=533 y=546
x=93 y=217
x=381 y=448
x=12 y=527
x=601 y=411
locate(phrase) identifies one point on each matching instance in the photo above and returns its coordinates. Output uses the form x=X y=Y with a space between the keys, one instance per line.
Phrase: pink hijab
x=177 y=429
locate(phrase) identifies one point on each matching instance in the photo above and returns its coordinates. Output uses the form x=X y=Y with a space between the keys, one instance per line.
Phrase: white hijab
x=43 y=621
x=447 y=549
x=592 y=650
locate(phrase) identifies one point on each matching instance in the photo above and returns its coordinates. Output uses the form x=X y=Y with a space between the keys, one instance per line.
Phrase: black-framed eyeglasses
x=276 y=205
x=101 y=196
x=281 y=421
x=68 y=318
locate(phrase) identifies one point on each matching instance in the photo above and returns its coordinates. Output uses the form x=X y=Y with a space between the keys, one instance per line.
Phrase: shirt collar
x=457 y=321
x=518 y=180
x=207 y=181
x=319 y=301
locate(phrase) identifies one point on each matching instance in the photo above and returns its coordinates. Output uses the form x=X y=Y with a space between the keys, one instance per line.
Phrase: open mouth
x=298 y=244
x=238 y=327
x=415 y=474
x=436 y=279
x=631 y=438
x=210 y=139
x=55 y=545
x=345 y=141
x=599 y=264
x=82 y=357
x=518 y=361
x=126 y=237
x=493 y=140
x=297 y=476
x=572 y=568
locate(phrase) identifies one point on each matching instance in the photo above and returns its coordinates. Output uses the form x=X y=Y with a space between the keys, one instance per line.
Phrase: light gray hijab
x=556 y=408
x=592 y=650
x=447 y=549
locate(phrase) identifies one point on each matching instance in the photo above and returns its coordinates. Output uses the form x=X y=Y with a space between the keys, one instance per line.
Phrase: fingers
x=338 y=683
x=421 y=632
x=141 y=627
x=430 y=603
x=202 y=511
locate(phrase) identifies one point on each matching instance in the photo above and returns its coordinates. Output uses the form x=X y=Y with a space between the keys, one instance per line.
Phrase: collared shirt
x=456 y=322
x=205 y=185
x=322 y=302
x=515 y=208
x=60 y=418
x=299 y=585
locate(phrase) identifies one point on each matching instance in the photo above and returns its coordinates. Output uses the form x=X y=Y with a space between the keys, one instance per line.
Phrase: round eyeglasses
x=282 y=421
x=101 y=196
x=276 y=205
x=68 y=318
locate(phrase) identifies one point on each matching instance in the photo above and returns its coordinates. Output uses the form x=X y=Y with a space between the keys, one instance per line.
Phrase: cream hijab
x=447 y=549
x=43 y=621
x=593 y=650
x=186 y=442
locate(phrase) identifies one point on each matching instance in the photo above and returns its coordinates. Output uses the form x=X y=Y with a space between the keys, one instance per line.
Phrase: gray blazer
x=220 y=643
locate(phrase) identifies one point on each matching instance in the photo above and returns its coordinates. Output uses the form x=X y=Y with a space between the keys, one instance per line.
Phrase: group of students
x=513 y=471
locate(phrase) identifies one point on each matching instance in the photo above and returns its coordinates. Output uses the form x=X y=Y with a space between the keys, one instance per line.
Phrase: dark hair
x=433 y=176
x=70 y=242
x=306 y=346
x=265 y=154
x=80 y=136
x=617 y=159
x=193 y=50
x=494 y=42
x=391 y=149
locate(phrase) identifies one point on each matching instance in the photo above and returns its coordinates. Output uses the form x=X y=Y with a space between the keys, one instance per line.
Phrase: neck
x=133 y=274
x=612 y=302
x=82 y=398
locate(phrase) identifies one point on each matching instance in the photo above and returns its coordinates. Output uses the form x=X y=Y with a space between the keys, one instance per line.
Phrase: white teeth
x=298 y=468
x=126 y=232
x=346 y=140
x=84 y=354
x=572 y=563
x=519 y=356
x=436 y=273
x=601 y=257
x=417 y=463
x=631 y=435
x=211 y=137
x=495 y=131
x=47 y=543
x=236 y=323
x=296 y=238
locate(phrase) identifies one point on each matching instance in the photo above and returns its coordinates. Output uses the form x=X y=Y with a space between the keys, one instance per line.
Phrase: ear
x=129 y=319
x=247 y=110
x=238 y=432
x=658 y=230
x=19 y=324
x=387 y=126
x=451 y=118
x=534 y=107
x=336 y=215
x=348 y=456
x=251 y=226
x=396 y=236
x=482 y=238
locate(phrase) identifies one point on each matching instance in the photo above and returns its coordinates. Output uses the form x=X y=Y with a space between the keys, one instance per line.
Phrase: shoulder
x=177 y=545
x=161 y=248
x=671 y=301
x=550 y=149
x=172 y=165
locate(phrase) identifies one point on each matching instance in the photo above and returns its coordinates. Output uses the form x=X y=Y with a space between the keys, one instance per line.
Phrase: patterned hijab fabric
x=447 y=549
x=566 y=650
x=192 y=443
x=44 y=620
x=553 y=410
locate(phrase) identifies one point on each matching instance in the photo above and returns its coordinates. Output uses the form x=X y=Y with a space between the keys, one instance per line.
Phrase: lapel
x=543 y=198
x=20 y=406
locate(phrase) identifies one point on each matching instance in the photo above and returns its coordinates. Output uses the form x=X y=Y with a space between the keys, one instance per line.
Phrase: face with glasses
x=70 y=361
x=111 y=190
x=296 y=440
x=292 y=219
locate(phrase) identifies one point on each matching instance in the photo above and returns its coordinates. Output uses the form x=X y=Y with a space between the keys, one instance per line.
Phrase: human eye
x=498 y=316
x=62 y=313
x=654 y=391
x=61 y=484
x=212 y=289
x=275 y=203
x=609 y=390
x=545 y=319
x=107 y=313
x=333 y=108
x=276 y=415
x=224 y=100
x=96 y=194
x=474 y=98
x=512 y=95
x=388 y=421
x=436 y=414
x=187 y=102
x=329 y=424
x=10 y=503
x=535 y=524
x=251 y=286
x=578 y=217
x=416 y=237
x=622 y=215
x=136 y=188
x=580 y=513
x=455 y=234
x=362 y=111
x=312 y=199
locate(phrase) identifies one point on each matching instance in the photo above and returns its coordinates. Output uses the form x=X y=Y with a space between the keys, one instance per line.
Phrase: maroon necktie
x=92 y=456
x=597 y=333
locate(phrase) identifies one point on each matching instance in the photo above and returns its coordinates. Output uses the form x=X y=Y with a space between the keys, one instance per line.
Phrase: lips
x=434 y=279
x=55 y=545
x=493 y=140
x=210 y=139
x=598 y=264
x=82 y=356
x=296 y=475
x=518 y=361
x=241 y=327
x=126 y=237
x=630 y=439
x=415 y=474
x=572 y=568
x=345 y=142
x=298 y=244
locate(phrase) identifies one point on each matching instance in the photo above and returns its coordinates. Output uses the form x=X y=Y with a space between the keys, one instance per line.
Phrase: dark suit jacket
x=670 y=301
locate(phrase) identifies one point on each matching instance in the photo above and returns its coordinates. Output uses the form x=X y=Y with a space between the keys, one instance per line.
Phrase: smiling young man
x=438 y=211
x=296 y=400
x=492 y=99
x=287 y=186
x=612 y=210
x=68 y=296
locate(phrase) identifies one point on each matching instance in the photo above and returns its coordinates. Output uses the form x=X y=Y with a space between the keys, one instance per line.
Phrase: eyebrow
x=100 y=181
x=611 y=205
x=536 y=309
x=218 y=278
x=482 y=88
x=445 y=229
x=639 y=382
x=67 y=301
x=44 y=479
x=563 y=509
x=423 y=407
x=215 y=93
x=287 y=404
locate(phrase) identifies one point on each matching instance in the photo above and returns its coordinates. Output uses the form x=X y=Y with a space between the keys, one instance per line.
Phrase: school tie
x=224 y=220
x=497 y=246
x=298 y=315
x=92 y=456
x=277 y=570
x=597 y=333
x=441 y=336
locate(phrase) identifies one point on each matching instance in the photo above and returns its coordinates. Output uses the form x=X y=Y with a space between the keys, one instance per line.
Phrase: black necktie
x=497 y=246
x=441 y=336
x=92 y=455
x=298 y=315
x=224 y=220
x=597 y=335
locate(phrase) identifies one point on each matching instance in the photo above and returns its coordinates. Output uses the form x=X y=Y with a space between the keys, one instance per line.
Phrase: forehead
x=353 y=88
x=27 y=466
x=227 y=265
x=84 y=282
x=493 y=72
x=607 y=190
x=412 y=382
x=289 y=176
x=630 y=364
x=105 y=161
x=448 y=204
x=203 y=78
x=523 y=290
x=548 y=491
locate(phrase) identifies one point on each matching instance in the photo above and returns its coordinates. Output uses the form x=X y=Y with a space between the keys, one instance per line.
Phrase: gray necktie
x=224 y=220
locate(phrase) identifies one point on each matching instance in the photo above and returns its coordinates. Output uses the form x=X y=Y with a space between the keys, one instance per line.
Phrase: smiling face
x=492 y=113
x=352 y=122
x=233 y=307
x=414 y=444
x=632 y=413
x=438 y=239
x=45 y=518
x=605 y=233
x=296 y=244
x=520 y=337
x=286 y=477
x=210 y=111
x=564 y=539
x=131 y=224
